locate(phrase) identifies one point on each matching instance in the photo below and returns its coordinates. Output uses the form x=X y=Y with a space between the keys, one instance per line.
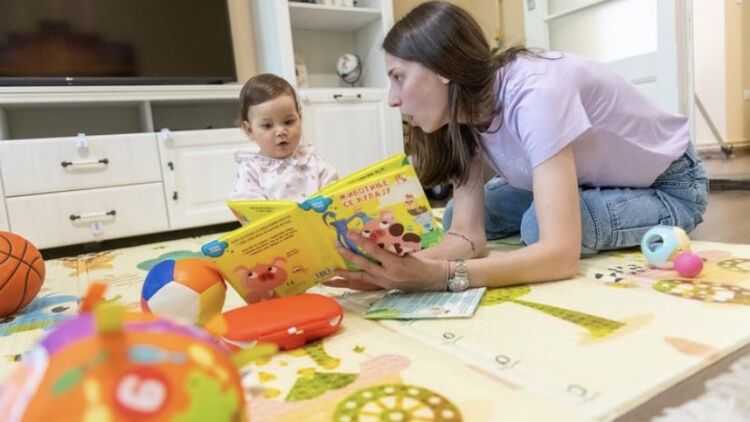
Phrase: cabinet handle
x=103 y=161
x=110 y=213
x=343 y=98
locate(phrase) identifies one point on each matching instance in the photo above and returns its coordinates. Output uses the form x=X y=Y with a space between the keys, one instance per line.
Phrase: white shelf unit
x=82 y=164
x=350 y=126
x=331 y=18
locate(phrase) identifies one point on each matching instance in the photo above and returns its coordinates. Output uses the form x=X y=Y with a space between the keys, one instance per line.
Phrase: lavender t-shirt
x=619 y=137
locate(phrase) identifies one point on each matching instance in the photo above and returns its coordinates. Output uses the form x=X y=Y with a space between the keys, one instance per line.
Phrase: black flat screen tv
x=115 y=42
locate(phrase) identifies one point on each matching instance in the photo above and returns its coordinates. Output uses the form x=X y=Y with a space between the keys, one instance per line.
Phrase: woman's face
x=418 y=92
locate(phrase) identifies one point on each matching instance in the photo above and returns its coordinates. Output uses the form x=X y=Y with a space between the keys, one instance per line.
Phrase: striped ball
x=21 y=272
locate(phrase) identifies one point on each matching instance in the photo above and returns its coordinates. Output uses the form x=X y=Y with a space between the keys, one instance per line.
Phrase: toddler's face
x=275 y=126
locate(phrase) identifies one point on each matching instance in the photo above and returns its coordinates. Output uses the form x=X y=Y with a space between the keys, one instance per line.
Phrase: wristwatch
x=460 y=280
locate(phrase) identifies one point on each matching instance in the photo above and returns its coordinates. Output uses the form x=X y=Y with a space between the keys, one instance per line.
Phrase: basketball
x=21 y=272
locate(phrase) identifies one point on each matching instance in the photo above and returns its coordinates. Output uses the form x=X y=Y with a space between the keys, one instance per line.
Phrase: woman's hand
x=407 y=273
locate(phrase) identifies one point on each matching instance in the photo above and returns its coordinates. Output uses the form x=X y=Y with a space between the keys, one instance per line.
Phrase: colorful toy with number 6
x=108 y=364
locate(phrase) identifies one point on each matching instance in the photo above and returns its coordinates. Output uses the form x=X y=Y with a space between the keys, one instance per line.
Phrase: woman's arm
x=466 y=239
x=555 y=256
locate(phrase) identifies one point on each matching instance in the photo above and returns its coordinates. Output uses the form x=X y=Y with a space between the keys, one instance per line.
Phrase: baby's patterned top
x=295 y=177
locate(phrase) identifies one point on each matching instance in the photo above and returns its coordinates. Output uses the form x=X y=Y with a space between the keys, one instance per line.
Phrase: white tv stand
x=121 y=176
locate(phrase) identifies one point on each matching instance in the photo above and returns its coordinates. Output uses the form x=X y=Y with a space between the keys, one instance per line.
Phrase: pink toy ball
x=688 y=264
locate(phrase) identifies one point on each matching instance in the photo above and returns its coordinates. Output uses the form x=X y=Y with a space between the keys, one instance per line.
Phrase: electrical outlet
x=747 y=95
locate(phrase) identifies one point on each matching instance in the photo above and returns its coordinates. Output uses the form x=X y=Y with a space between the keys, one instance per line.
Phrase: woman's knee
x=530 y=230
x=529 y=227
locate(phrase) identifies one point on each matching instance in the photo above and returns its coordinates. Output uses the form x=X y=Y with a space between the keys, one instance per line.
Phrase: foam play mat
x=592 y=348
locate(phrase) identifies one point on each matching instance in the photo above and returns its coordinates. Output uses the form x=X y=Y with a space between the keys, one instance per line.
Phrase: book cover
x=286 y=248
x=426 y=305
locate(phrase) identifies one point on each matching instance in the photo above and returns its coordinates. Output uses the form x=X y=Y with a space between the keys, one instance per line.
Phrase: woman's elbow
x=568 y=260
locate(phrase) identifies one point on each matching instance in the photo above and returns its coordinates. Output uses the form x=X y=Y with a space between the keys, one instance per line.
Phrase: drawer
x=66 y=218
x=59 y=164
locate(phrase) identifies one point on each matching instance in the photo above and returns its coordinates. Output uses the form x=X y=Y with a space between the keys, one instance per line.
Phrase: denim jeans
x=611 y=218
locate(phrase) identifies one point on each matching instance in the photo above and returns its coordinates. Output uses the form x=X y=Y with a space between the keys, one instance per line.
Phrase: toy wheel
x=403 y=403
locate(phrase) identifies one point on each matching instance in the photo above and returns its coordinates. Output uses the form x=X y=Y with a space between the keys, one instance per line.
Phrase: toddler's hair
x=261 y=88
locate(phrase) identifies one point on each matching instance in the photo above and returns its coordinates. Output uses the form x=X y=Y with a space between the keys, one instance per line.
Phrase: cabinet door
x=3 y=214
x=350 y=128
x=199 y=169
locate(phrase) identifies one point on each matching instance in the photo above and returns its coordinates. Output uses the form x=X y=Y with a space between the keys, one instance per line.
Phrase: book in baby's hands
x=284 y=248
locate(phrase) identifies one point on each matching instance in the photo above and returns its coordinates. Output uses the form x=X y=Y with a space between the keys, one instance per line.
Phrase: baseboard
x=83 y=248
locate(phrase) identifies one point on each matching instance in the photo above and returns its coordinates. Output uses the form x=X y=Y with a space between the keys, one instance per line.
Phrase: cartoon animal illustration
x=42 y=313
x=261 y=280
x=422 y=215
x=342 y=228
x=390 y=235
x=89 y=263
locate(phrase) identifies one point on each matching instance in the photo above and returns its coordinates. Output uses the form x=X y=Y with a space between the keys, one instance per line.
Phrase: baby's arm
x=326 y=173
x=247 y=183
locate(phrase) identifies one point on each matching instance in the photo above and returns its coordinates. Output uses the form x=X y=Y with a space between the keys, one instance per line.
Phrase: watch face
x=458 y=284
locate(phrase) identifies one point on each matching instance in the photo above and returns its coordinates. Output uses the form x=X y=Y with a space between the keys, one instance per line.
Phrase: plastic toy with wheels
x=21 y=272
x=661 y=244
x=110 y=364
x=189 y=289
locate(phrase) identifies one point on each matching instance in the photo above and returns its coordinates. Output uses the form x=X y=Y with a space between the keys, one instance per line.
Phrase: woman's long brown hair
x=448 y=41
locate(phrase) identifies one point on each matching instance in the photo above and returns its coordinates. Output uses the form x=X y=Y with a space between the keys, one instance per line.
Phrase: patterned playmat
x=591 y=348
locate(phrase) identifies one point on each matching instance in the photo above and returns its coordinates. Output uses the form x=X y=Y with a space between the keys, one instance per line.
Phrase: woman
x=584 y=161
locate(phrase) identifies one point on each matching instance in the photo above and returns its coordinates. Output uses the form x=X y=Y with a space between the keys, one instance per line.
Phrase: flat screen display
x=100 y=42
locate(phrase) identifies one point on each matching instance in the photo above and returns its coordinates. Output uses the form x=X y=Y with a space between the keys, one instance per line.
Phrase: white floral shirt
x=295 y=177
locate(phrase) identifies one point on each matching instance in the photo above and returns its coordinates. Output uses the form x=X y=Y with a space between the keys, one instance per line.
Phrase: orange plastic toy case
x=289 y=321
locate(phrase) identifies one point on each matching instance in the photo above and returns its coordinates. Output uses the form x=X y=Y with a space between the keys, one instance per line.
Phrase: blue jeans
x=611 y=218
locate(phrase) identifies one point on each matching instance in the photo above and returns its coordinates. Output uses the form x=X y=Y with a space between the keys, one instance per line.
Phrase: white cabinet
x=3 y=213
x=351 y=128
x=199 y=169
x=33 y=166
x=88 y=215
x=122 y=178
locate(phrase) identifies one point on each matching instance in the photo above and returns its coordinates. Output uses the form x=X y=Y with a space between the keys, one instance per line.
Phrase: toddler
x=285 y=168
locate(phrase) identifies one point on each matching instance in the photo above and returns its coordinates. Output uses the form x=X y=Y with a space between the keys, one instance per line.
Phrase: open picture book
x=285 y=247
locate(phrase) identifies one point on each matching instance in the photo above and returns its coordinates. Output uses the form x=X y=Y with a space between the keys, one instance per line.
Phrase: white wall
x=709 y=37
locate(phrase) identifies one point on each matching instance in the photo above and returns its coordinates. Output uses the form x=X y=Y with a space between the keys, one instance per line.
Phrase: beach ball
x=189 y=289
x=113 y=365
x=21 y=272
x=661 y=244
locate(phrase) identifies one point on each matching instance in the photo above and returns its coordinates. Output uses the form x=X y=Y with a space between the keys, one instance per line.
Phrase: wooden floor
x=727 y=218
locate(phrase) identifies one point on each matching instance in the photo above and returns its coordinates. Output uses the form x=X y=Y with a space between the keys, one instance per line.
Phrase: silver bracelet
x=471 y=242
